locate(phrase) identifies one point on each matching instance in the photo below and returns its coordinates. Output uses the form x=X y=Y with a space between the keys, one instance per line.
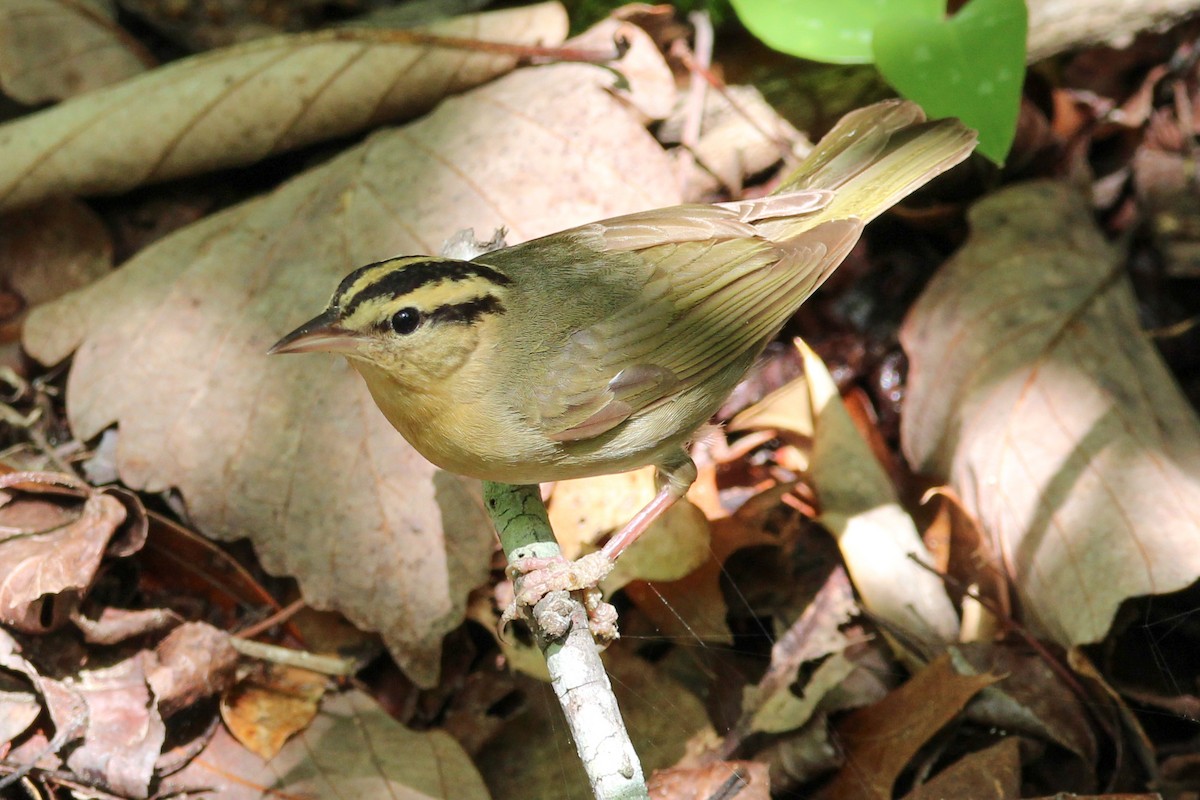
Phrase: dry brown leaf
x=124 y=733
x=53 y=531
x=993 y=773
x=881 y=739
x=52 y=248
x=693 y=607
x=53 y=49
x=352 y=749
x=772 y=706
x=1031 y=699
x=64 y=704
x=193 y=662
x=1034 y=393
x=964 y=553
x=240 y=104
x=292 y=451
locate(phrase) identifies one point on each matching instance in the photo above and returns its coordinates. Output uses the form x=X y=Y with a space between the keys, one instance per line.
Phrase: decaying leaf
x=993 y=773
x=772 y=706
x=880 y=740
x=1031 y=700
x=292 y=451
x=242 y=103
x=1035 y=394
x=52 y=248
x=745 y=780
x=66 y=708
x=53 y=49
x=267 y=708
x=192 y=662
x=124 y=732
x=53 y=531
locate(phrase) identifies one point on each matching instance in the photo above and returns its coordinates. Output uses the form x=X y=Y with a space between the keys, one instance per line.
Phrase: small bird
x=603 y=348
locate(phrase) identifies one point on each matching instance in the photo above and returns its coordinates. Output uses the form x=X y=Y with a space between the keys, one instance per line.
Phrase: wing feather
x=705 y=302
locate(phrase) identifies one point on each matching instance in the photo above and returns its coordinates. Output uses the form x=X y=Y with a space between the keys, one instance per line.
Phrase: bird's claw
x=537 y=579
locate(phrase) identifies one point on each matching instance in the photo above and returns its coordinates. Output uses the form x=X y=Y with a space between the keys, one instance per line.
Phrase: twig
x=326 y=665
x=576 y=672
x=526 y=52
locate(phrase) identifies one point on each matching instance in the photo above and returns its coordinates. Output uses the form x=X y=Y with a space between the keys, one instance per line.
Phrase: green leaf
x=835 y=31
x=971 y=66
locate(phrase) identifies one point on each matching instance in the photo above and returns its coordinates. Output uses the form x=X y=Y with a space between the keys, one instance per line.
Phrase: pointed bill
x=319 y=334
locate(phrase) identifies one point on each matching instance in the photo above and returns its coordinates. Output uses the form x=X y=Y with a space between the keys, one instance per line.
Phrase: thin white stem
x=576 y=672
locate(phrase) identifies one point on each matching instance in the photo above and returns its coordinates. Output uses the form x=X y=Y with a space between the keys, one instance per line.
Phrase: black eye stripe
x=411 y=277
x=467 y=312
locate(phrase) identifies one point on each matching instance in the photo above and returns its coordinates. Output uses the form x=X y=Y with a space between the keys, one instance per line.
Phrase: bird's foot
x=535 y=578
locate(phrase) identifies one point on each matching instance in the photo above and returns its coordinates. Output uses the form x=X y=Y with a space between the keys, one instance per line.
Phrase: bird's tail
x=876 y=156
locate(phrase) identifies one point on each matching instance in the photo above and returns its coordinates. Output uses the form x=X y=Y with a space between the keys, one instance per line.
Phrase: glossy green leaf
x=835 y=31
x=971 y=66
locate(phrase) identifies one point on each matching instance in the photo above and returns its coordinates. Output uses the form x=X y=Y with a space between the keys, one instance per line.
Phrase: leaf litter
x=1020 y=719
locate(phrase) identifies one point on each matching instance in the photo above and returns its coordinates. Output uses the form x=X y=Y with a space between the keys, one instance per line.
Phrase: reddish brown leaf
x=993 y=773
x=743 y=780
x=193 y=662
x=881 y=739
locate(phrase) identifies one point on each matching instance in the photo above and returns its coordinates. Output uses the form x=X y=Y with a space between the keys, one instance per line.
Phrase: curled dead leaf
x=54 y=529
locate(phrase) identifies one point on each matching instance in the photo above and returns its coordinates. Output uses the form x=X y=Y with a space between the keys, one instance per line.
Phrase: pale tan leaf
x=1035 y=394
x=54 y=49
x=269 y=706
x=584 y=511
x=292 y=452
x=243 y=103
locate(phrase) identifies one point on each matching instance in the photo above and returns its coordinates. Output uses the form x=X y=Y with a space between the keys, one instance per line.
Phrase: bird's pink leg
x=540 y=576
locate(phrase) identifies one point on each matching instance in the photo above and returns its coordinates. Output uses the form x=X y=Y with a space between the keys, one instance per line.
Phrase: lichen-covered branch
x=576 y=672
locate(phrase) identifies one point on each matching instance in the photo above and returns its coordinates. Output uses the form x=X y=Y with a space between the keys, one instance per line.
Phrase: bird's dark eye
x=406 y=320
